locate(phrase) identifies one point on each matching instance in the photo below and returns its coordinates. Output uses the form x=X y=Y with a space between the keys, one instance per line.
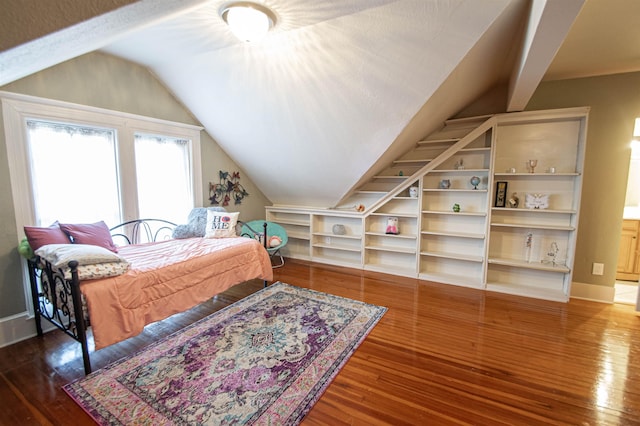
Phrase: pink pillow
x=96 y=234
x=39 y=237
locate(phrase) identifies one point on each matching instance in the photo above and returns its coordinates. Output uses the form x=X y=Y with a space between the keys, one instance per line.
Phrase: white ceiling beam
x=87 y=36
x=548 y=25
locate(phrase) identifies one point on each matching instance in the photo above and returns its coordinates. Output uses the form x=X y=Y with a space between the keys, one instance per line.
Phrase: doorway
x=626 y=292
x=628 y=269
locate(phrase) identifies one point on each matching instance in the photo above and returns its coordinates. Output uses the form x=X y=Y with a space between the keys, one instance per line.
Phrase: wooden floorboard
x=441 y=355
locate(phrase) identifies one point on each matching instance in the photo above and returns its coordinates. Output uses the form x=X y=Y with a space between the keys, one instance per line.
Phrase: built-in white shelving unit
x=337 y=240
x=453 y=239
x=489 y=243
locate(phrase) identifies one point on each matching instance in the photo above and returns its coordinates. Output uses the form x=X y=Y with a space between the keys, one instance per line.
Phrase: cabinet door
x=628 y=253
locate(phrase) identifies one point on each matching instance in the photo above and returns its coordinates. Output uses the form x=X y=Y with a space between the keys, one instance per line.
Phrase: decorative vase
x=339 y=229
x=475 y=181
x=445 y=184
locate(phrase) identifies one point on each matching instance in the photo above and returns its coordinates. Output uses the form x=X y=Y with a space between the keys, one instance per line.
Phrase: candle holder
x=532 y=165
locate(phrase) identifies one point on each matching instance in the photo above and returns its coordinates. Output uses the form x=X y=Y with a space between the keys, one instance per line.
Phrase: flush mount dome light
x=248 y=21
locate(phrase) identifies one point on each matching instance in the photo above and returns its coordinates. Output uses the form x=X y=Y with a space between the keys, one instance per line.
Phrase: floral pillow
x=99 y=270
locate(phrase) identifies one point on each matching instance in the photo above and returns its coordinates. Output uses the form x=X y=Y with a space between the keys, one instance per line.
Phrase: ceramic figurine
x=514 y=201
x=445 y=184
x=456 y=208
x=392 y=226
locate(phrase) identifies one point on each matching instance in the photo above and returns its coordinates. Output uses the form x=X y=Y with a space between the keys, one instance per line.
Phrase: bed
x=75 y=286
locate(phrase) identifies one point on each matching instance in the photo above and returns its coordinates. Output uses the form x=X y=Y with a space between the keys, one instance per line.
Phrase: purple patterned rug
x=265 y=359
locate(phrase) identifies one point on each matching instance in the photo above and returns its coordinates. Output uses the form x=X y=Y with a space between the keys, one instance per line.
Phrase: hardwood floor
x=440 y=355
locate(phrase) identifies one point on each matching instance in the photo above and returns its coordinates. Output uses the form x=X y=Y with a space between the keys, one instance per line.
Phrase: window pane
x=164 y=177
x=73 y=173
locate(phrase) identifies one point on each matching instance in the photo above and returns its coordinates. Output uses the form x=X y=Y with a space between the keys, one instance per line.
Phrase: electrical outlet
x=598 y=269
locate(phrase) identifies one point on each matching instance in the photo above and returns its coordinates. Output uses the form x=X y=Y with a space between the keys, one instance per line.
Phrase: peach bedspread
x=166 y=278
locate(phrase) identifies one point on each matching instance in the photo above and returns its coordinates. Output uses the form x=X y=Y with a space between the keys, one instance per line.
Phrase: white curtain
x=163 y=175
x=74 y=173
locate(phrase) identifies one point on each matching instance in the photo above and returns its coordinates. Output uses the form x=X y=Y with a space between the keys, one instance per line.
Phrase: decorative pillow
x=59 y=255
x=96 y=234
x=196 y=223
x=39 y=237
x=220 y=224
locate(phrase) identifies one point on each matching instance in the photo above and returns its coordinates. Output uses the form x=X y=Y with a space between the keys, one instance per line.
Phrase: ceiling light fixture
x=248 y=21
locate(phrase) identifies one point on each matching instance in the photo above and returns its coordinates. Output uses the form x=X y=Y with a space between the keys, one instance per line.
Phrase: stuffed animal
x=196 y=223
x=274 y=241
x=25 y=249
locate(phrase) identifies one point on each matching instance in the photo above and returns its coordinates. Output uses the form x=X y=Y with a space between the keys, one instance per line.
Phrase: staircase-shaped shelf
x=425 y=217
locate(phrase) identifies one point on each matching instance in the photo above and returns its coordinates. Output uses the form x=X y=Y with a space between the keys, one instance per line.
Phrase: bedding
x=166 y=278
x=75 y=286
x=93 y=261
x=59 y=255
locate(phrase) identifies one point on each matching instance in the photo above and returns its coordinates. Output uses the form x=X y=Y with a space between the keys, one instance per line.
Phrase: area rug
x=265 y=359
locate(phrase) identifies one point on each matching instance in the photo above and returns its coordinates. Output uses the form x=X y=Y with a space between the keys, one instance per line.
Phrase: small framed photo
x=501 y=194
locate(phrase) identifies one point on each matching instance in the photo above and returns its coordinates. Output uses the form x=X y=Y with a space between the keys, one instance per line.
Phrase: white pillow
x=59 y=255
x=221 y=224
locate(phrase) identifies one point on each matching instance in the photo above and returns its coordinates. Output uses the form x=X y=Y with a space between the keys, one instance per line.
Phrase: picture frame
x=501 y=194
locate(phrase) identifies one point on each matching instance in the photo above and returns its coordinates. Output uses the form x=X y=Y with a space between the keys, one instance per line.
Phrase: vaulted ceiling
x=338 y=87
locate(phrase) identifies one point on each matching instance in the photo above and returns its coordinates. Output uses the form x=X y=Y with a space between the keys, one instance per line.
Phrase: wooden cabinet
x=628 y=257
x=525 y=250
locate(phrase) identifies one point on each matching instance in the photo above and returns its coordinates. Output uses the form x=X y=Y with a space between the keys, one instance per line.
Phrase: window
x=75 y=163
x=74 y=176
x=82 y=164
x=162 y=173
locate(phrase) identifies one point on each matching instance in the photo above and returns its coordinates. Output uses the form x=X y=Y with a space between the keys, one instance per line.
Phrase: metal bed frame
x=58 y=299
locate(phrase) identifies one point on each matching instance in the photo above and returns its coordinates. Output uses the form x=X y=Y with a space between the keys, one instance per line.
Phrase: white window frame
x=17 y=108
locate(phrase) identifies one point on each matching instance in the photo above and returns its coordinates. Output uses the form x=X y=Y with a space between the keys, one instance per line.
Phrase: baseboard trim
x=19 y=327
x=595 y=293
